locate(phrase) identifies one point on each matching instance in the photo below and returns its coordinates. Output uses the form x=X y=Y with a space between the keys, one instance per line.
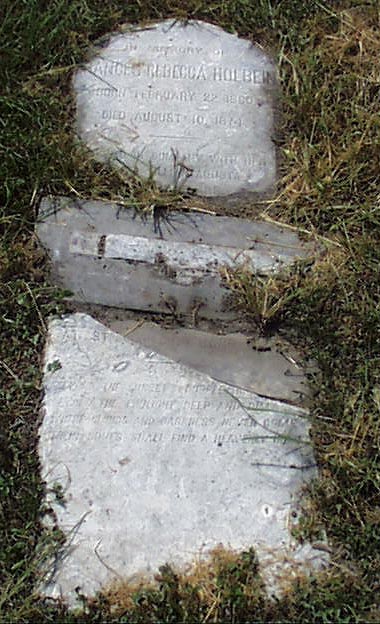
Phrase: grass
x=329 y=142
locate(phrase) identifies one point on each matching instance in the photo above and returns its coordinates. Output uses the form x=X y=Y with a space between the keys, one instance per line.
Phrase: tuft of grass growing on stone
x=328 y=55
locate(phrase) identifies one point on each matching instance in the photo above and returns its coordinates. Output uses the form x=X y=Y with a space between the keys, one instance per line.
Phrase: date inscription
x=209 y=95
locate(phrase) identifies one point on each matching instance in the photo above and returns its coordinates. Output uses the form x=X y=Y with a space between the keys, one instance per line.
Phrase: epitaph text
x=193 y=104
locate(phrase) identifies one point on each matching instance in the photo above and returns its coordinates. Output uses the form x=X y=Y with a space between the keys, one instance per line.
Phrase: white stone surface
x=159 y=463
x=190 y=102
x=114 y=257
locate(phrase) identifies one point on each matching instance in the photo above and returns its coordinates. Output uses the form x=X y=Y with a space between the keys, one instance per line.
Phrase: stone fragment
x=271 y=369
x=192 y=103
x=109 y=256
x=157 y=463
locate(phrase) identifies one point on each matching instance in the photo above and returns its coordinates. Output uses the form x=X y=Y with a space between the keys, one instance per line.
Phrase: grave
x=190 y=103
x=159 y=463
x=162 y=444
x=108 y=255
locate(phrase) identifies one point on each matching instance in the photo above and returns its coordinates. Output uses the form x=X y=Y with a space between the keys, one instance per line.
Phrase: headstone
x=190 y=103
x=113 y=257
x=157 y=463
x=269 y=367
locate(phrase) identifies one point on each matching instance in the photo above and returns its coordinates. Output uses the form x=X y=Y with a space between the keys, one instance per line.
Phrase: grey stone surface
x=158 y=463
x=270 y=369
x=112 y=257
x=190 y=101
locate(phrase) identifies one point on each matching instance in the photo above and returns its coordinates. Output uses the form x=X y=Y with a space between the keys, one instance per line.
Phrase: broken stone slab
x=272 y=369
x=109 y=256
x=157 y=463
x=190 y=102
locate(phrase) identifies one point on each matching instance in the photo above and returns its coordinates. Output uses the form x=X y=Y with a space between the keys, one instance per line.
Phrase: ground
x=328 y=58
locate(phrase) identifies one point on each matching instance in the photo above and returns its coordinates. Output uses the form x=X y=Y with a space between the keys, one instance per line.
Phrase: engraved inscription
x=152 y=454
x=185 y=72
x=147 y=94
x=159 y=412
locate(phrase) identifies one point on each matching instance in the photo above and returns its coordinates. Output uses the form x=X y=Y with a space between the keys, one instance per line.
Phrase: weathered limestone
x=190 y=102
x=270 y=369
x=112 y=257
x=159 y=463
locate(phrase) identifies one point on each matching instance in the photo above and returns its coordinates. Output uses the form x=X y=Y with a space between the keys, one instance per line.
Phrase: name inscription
x=185 y=72
x=149 y=97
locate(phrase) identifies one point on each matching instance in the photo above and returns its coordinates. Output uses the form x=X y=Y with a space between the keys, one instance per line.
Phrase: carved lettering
x=228 y=438
x=176 y=71
x=154 y=118
x=148 y=437
x=172 y=50
x=227 y=121
x=112 y=387
x=107 y=403
x=113 y=114
x=113 y=68
x=165 y=96
x=184 y=96
x=217 y=174
x=179 y=71
x=183 y=437
x=80 y=436
x=253 y=76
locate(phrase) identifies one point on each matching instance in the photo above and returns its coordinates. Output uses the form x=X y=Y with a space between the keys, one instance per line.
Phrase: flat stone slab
x=192 y=103
x=271 y=368
x=158 y=463
x=109 y=256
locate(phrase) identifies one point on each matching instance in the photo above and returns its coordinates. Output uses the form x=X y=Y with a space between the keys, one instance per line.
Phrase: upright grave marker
x=190 y=103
